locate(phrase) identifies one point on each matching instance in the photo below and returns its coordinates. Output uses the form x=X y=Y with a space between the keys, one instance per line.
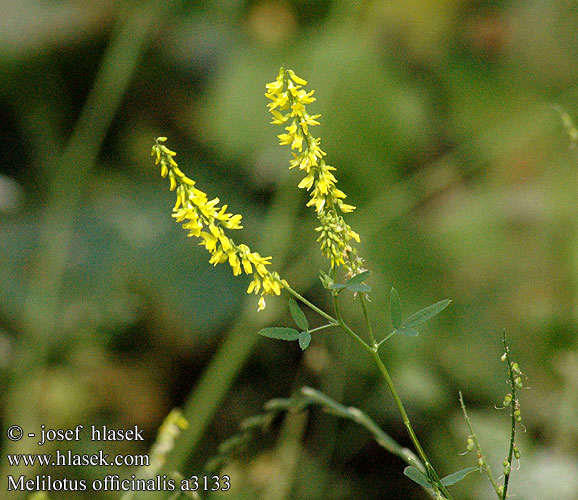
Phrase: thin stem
x=484 y=464
x=298 y=296
x=513 y=405
x=362 y=299
x=429 y=468
x=322 y=327
x=387 y=337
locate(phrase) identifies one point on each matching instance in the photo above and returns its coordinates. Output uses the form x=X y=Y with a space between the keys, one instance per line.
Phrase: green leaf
x=358 y=287
x=456 y=477
x=280 y=333
x=426 y=314
x=408 y=332
x=336 y=286
x=417 y=476
x=395 y=308
x=304 y=340
x=358 y=278
x=298 y=316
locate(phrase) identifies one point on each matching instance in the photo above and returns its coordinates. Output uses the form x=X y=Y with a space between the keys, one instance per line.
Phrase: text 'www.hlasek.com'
x=144 y=478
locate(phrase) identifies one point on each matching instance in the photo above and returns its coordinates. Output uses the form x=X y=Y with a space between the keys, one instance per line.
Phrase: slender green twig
x=362 y=299
x=514 y=407
x=429 y=468
x=309 y=304
x=482 y=462
x=322 y=327
x=385 y=339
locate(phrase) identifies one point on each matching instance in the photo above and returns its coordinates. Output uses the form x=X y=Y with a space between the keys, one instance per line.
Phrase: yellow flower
x=287 y=95
x=204 y=219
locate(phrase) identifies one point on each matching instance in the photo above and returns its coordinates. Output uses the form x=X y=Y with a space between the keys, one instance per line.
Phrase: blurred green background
x=439 y=118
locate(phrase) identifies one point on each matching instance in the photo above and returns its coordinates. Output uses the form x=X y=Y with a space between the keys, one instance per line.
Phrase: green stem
x=322 y=327
x=387 y=337
x=362 y=299
x=295 y=294
x=485 y=466
x=420 y=451
x=513 y=405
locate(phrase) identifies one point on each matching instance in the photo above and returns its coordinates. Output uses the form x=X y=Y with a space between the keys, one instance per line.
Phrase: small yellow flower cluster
x=206 y=220
x=288 y=96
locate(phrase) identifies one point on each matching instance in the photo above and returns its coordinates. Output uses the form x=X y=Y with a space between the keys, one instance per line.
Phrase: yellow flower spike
x=287 y=92
x=196 y=212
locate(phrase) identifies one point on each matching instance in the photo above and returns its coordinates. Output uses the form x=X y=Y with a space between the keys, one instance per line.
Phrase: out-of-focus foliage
x=440 y=118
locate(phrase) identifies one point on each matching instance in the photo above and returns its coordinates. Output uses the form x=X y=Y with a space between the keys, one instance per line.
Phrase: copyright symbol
x=14 y=433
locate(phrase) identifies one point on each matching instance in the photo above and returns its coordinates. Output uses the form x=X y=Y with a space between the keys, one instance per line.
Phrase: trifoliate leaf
x=456 y=477
x=280 y=333
x=417 y=476
x=358 y=278
x=426 y=314
x=395 y=308
x=298 y=316
x=304 y=340
x=408 y=332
